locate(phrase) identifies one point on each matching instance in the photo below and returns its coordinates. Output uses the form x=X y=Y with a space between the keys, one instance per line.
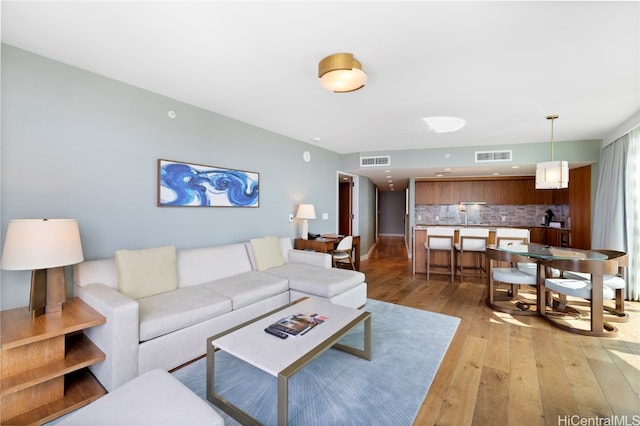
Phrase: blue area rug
x=340 y=389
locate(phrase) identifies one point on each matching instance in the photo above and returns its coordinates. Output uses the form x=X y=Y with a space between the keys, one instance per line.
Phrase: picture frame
x=182 y=184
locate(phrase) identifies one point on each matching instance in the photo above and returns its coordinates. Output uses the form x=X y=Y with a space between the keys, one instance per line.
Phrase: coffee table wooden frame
x=293 y=368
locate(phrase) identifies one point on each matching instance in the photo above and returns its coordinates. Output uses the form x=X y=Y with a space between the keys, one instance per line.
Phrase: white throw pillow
x=267 y=252
x=143 y=273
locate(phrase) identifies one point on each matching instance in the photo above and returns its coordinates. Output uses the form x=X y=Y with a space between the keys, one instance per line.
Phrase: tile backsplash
x=510 y=215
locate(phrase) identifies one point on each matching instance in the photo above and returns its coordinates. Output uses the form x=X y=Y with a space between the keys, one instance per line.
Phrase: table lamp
x=45 y=246
x=305 y=211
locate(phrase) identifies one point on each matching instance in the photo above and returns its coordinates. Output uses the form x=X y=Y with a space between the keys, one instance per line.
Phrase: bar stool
x=440 y=239
x=472 y=240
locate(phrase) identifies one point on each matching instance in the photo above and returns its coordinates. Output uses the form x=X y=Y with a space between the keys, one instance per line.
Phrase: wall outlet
x=290 y=217
x=437 y=218
x=504 y=218
x=325 y=216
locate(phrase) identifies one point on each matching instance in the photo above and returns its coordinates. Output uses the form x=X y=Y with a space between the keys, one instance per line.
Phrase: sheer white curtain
x=616 y=221
x=633 y=214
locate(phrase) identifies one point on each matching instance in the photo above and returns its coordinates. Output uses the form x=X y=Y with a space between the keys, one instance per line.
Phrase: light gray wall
x=79 y=145
x=392 y=213
x=367 y=222
x=587 y=151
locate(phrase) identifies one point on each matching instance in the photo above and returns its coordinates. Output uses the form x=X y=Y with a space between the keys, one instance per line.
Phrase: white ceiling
x=502 y=66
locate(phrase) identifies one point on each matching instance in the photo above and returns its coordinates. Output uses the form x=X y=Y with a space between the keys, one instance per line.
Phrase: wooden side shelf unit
x=43 y=363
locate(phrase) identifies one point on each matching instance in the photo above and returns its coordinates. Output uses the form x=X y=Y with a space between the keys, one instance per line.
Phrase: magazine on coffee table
x=298 y=324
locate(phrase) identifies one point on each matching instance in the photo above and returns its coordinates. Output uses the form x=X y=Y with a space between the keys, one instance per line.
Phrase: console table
x=326 y=243
x=44 y=362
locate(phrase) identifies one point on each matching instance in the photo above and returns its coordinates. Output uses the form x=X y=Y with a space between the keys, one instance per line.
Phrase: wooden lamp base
x=48 y=291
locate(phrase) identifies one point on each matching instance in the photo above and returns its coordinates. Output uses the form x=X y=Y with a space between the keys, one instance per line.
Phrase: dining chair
x=578 y=284
x=505 y=236
x=471 y=240
x=342 y=252
x=440 y=239
x=593 y=289
x=513 y=276
x=511 y=236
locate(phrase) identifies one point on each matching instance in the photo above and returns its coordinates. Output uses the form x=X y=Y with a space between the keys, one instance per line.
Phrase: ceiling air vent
x=488 y=156
x=378 y=161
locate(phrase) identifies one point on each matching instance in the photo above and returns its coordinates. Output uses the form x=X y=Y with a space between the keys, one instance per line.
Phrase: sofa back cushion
x=146 y=272
x=285 y=246
x=267 y=253
x=201 y=265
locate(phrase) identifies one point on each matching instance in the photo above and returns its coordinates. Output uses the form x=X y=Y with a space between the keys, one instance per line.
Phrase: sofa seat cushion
x=248 y=288
x=323 y=282
x=167 y=312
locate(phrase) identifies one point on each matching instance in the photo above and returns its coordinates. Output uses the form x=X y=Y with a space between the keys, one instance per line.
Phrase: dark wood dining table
x=597 y=263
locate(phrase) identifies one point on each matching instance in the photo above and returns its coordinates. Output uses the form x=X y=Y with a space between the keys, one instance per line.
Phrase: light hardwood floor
x=512 y=370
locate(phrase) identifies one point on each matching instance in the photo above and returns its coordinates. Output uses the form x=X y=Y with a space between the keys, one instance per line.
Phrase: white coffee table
x=282 y=358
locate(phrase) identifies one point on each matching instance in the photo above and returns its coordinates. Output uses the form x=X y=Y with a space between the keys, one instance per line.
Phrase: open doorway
x=347 y=209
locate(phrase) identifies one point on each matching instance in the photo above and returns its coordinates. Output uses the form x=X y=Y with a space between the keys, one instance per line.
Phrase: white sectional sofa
x=161 y=304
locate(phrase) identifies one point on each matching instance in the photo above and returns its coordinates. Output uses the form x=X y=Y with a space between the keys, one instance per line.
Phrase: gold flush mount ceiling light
x=341 y=73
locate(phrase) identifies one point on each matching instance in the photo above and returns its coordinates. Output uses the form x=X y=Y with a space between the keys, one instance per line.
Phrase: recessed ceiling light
x=444 y=124
x=515 y=167
x=316 y=139
x=446 y=169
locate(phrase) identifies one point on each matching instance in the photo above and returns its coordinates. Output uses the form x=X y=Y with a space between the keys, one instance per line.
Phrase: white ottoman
x=155 y=398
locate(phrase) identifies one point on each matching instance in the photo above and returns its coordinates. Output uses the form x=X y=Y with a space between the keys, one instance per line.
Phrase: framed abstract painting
x=196 y=185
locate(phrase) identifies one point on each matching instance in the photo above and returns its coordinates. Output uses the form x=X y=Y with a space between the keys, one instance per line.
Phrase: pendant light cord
x=552 y=117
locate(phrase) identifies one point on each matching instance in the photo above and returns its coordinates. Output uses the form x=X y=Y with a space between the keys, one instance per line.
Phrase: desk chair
x=472 y=240
x=440 y=238
x=342 y=253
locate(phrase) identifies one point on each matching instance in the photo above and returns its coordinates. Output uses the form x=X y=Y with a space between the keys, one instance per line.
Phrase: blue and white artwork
x=195 y=185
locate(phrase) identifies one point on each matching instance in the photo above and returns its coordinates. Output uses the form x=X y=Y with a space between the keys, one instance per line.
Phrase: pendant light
x=552 y=174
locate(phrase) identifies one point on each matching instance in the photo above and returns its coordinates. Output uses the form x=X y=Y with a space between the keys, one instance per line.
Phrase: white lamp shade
x=41 y=244
x=306 y=211
x=552 y=175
